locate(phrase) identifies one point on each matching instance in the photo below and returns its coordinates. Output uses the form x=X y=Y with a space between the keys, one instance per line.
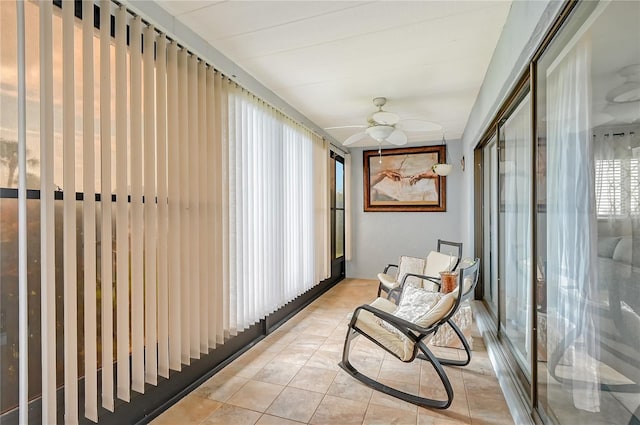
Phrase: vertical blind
x=203 y=209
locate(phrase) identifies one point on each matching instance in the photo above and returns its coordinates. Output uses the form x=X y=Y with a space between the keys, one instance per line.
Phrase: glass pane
x=339 y=233
x=515 y=229
x=589 y=219
x=339 y=184
x=9 y=353
x=8 y=95
x=490 y=226
x=9 y=303
x=332 y=183
x=8 y=102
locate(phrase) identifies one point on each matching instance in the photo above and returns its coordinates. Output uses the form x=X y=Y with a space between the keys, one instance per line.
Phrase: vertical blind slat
x=220 y=204
x=137 y=226
x=122 y=209
x=214 y=272
x=193 y=213
x=234 y=212
x=203 y=217
x=150 y=212
x=163 y=214
x=173 y=181
x=23 y=291
x=69 y=220
x=47 y=220
x=89 y=216
x=185 y=270
x=106 y=237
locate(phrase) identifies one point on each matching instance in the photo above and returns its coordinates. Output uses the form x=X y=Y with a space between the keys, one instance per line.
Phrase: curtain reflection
x=571 y=230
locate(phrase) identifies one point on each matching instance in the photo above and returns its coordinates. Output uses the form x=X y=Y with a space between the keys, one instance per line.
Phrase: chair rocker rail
x=419 y=344
x=556 y=356
x=411 y=398
x=418 y=336
x=465 y=344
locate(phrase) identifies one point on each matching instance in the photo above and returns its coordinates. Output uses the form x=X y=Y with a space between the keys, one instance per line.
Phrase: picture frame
x=402 y=180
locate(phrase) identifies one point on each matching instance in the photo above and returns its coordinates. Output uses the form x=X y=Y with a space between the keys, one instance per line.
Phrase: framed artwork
x=402 y=179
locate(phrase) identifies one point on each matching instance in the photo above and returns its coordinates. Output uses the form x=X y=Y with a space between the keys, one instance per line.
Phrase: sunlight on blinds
x=89 y=222
x=47 y=220
x=150 y=213
x=69 y=205
x=122 y=210
x=163 y=212
x=202 y=209
x=106 y=236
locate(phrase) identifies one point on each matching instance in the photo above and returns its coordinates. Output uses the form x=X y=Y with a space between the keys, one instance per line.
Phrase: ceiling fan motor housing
x=385 y=126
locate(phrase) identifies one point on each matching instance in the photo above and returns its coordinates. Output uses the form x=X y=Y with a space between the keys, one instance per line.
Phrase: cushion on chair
x=411 y=265
x=438 y=262
x=389 y=282
x=371 y=325
x=606 y=246
x=623 y=251
x=415 y=303
x=406 y=265
x=418 y=306
x=442 y=308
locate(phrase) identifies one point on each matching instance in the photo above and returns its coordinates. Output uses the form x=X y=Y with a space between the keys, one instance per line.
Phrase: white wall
x=378 y=238
x=526 y=25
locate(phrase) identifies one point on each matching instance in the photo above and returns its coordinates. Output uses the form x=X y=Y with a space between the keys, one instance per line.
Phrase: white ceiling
x=329 y=59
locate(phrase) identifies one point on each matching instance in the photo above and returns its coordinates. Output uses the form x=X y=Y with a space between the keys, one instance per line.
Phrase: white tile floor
x=292 y=377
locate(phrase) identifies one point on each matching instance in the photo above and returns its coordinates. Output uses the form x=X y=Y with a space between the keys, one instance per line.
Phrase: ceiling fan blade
x=418 y=125
x=385 y=118
x=345 y=126
x=355 y=138
x=397 y=138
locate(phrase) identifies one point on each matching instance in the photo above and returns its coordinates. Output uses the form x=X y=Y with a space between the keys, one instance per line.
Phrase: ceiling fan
x=385 y=126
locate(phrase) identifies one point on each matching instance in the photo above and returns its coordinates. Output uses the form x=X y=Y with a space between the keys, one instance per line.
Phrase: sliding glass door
x=589 y=227
x=490 y=225
x=515 y=261
x=336 y=170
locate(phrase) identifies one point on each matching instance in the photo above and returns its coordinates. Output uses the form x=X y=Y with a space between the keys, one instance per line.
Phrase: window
x=617 y=187
x=338 y=204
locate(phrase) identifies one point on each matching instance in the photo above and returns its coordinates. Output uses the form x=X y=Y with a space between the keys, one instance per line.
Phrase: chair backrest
x=451 y=248
x=438 y=262
x=411 y=265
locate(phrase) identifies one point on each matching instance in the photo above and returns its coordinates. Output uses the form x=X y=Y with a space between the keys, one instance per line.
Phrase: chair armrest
x=402 y=325
x=386 y=269
x=432 y=279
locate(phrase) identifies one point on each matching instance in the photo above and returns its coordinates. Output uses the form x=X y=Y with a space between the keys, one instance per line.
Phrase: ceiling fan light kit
x=385 y=126
x=379 y=132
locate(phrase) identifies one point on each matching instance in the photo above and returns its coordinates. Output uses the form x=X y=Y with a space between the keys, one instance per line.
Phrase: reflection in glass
x=339 y=233
x=589 y=228
x=490 y=226
x=339 y=184
x=515 y=229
